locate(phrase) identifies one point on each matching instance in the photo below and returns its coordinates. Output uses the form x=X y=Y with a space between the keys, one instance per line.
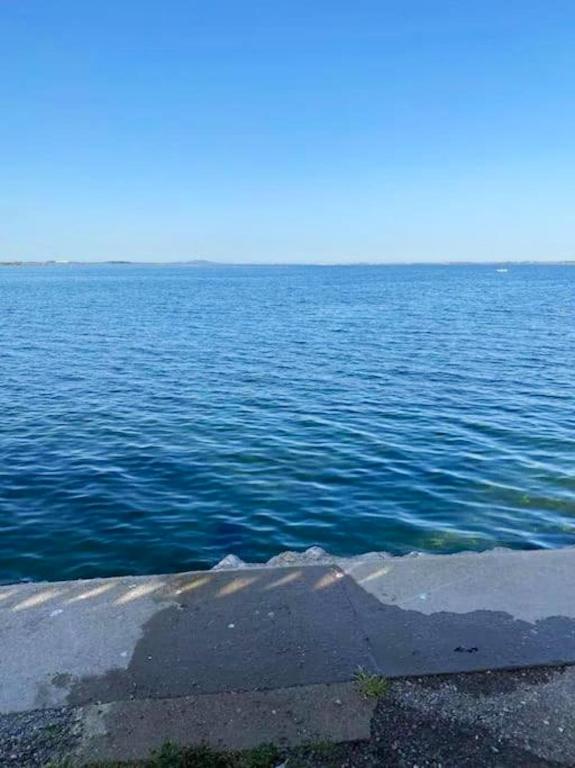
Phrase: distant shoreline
x=199 y=263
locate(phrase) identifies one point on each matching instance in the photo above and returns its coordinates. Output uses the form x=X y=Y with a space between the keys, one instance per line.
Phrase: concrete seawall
x=204 y=655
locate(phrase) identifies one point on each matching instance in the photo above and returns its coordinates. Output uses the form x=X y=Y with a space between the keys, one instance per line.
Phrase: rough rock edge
x=318 y=556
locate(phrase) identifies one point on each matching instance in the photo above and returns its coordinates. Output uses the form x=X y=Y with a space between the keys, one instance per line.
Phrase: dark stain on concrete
x=243 y=631
x=62 y=680
x=261 y=629
x=406 y=642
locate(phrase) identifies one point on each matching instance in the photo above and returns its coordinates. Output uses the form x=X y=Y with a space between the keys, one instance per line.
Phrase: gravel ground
x=32 y=739
x=511 y=719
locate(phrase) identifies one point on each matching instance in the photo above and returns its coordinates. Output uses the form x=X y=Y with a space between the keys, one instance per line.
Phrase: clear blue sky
x=296 y=130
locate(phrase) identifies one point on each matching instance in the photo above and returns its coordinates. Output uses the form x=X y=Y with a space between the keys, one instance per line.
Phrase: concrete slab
x=457 y=613
x=121 y=639
x=528 y=585
x=176 y=636
x=130 y=730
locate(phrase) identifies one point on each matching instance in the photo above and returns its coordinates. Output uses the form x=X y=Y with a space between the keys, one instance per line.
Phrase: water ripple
x=154 y=419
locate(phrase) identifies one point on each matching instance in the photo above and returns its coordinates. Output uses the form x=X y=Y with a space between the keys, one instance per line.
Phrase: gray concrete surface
x=137 y=644
x=466 y=612
x=130 y=730
x=121 y=639
x=530 y=586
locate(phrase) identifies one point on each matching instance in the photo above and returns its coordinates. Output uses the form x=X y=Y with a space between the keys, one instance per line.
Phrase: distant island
x=57 y=263
x=207 y=263
x=67 y=263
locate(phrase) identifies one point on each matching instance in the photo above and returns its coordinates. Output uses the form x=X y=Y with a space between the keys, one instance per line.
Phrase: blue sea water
x=156 y=418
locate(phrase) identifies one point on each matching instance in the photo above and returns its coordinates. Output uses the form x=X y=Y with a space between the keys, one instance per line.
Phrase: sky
x=304 y=131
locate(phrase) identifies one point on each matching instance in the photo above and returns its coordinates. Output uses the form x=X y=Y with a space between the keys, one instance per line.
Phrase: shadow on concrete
x=261 y=628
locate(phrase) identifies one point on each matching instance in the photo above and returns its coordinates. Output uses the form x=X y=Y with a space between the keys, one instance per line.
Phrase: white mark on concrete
x=136 y=591
x=6 y=593
x=38 y=599
x=194 y=584
x=93 y=592
x=376 y=575
x=236 y=586
x=56 y=612
x=287 y=579
x=326 y=581
x=439 y=588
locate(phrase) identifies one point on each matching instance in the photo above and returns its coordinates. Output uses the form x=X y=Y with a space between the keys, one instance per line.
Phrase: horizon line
x=216 y=263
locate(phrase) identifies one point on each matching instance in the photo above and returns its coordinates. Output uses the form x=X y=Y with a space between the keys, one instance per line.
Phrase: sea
x=156 y=418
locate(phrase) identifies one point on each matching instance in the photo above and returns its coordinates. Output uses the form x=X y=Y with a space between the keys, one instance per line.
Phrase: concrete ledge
x=76 y=643
x=130 y=730
x=198 y=643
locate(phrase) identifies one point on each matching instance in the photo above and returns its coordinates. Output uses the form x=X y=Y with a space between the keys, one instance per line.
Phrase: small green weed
x=371 y=686
x=264 y=756
x=173 y=756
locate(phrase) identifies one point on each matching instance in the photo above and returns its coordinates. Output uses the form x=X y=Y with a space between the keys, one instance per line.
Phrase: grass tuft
x=264 y=756
x=173 y=756
x=371 y=686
